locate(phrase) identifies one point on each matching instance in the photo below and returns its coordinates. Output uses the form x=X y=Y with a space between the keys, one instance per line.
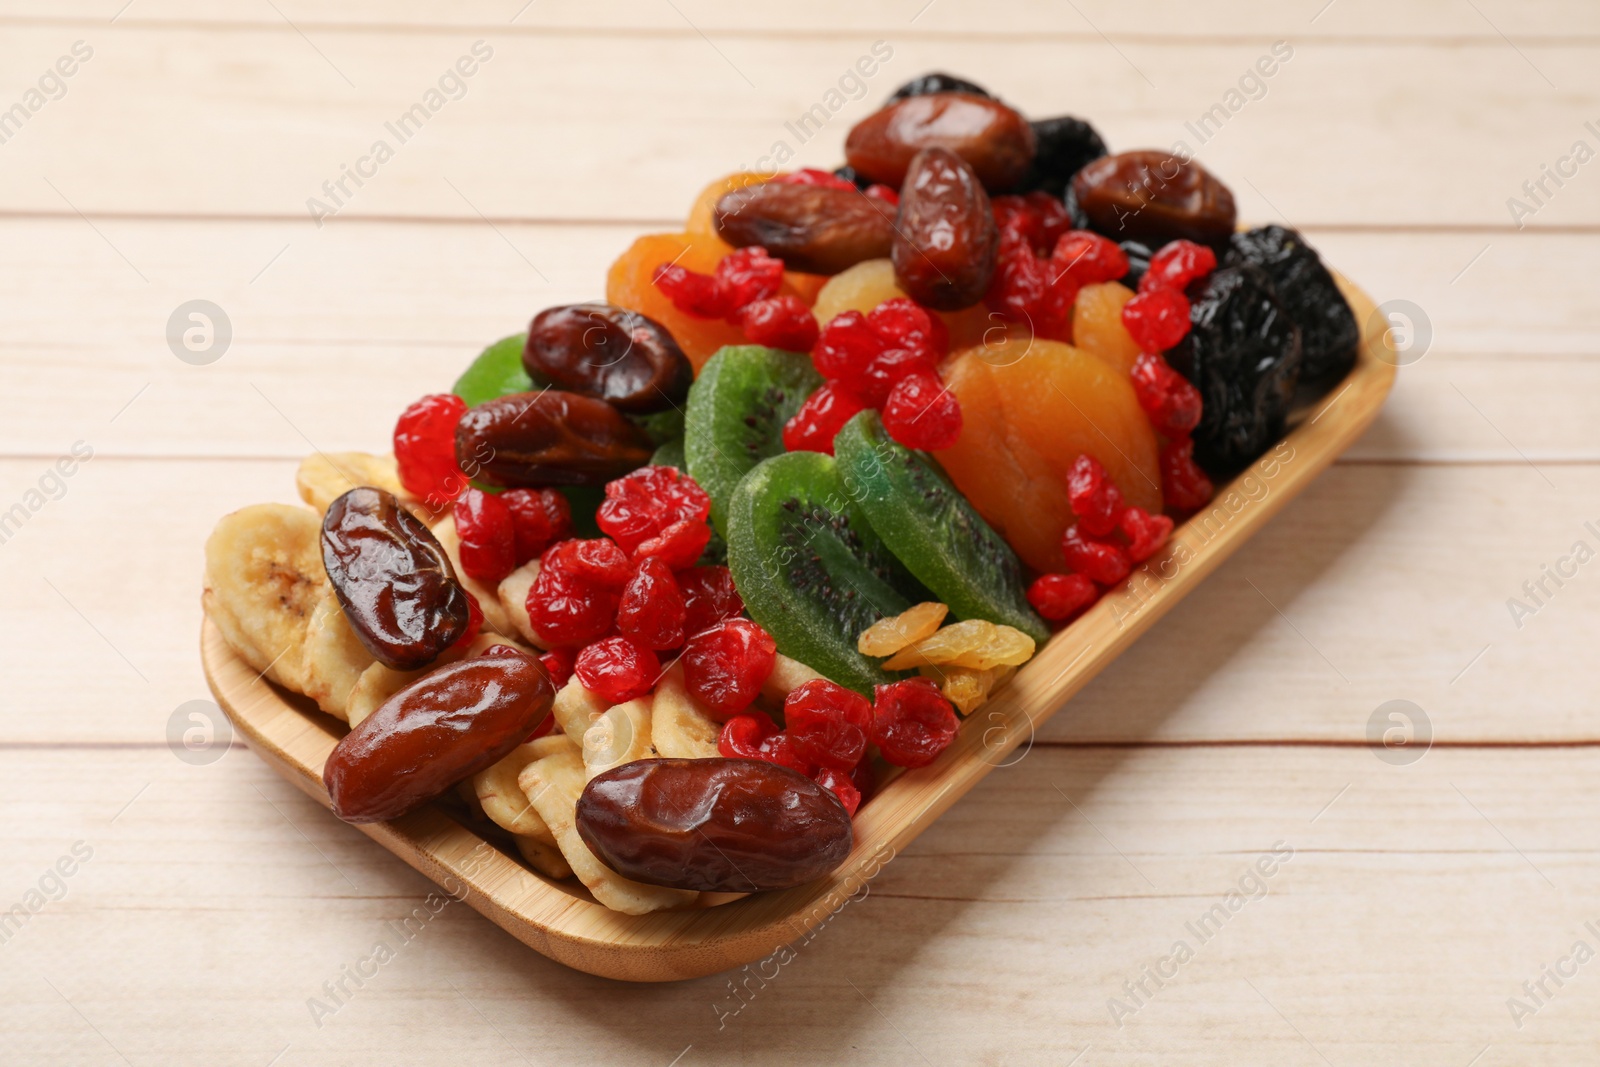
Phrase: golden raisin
x=974 y=643
x=889 y=635
x=964 y=687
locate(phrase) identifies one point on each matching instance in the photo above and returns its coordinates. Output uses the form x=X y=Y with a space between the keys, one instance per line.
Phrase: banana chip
x=620 y=735
x=513 y=597
x=787 y=675
x=333 y=658
x=680 y=728
x=576 y=709
x=264 y=579
x=324 y=477
x=544 y=857
x=503 y=800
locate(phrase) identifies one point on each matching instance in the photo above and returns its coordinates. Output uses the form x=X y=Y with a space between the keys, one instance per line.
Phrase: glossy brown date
x=550 y=438
x=392 y=578
x=995 y=141
x=715 y=825
x=446 y=726
x=812 y=228
x=1155 y=197
x=609 y=353
x=945 y=242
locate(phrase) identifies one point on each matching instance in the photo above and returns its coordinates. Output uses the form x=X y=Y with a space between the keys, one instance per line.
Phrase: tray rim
x=692 y=943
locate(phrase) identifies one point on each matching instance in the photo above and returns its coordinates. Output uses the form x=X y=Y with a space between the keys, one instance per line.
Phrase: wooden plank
x=364 y=312
x=262 y=137
x=1390 y=580
x=220 y=900
x=1369 y=21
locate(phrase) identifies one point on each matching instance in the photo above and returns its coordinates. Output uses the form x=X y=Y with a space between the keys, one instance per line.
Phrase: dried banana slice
x=264 y=579
x=576 y=709
x=679 y=725
x=333 y=658
x=553 y=785
x=787 y=675
x=504 y=802
x=889 y=635
x=620 y=735
x=513 y=597
x=494 y=614
x=324 y=477
x=544 y=857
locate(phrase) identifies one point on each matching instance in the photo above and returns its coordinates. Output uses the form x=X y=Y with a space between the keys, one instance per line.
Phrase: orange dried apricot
x=1097 y=324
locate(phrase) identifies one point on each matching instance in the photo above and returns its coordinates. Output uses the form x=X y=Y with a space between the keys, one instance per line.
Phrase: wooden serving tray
x=561 y=921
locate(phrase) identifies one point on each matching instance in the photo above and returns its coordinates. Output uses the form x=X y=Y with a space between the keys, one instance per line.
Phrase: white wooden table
x=207 y=905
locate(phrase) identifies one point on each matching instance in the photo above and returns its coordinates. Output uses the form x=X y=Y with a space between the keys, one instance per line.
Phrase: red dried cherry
x=558 y=663
x=747 y=275
x=597 y=561
x=1156 y=319
x=617 y=669
x=1167 y=397
x=644 y=504
x=1103 y=561
x=1028 y=289
x=1059 y=597
x=1184 y=486
x=845 y=347
x=922 y=413
x=539 y=518
x=779 y=749
x=691 y=292
x=1038 y=217
x=827 y=723
x=742 y=735
x=904 y=323
x=679 y=545
x=779 y=322
x=821 y=417
x=708 y=597
x=1095 y=498
x=565 y=610
x=1146 y=533
x=652 y=610
x=912 y=722
x=1088 y=258
x=488 y=538
x=725 y=665
x=840 y=785
x=887 y=369
x=1177 y=264
x=425 y=448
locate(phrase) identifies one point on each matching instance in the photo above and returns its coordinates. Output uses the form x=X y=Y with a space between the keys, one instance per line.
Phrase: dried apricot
x=974 y=643
x=889 y=635
x=630 y=284
x=866 y=285
x=1097 y=324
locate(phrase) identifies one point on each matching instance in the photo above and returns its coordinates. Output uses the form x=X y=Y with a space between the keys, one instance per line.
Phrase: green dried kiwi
x=736 y=411
x=932 y=529
x=669 y=454
x=809 y=567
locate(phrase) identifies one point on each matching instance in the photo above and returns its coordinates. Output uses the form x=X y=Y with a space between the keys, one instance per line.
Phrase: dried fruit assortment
x=669 y=584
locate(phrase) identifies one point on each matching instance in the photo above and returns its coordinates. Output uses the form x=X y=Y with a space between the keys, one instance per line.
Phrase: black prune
x=1329 y=335
x=1138 y=255
x=1065 y=145
x=937 y=82
x=1243 y=354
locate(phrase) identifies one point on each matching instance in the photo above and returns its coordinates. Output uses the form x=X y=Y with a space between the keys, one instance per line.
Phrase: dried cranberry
x=425 y=448
x=903 y=323
x=845 y=347
x=558 y=663
x=1038 y=217
x=1088 y=258
x=779 y=749
x=821 y=417
x=1156 y=319
x=1061 y=596
x=539 y=518
x=679 y=545
x=827 y=723
x=1176 y=265
x=1146 y=533
x=1184 y=486
x=840 y=785
x=488 y=538
x=1167 y=397
x=708 y=596
x=646 y=503
x=652 y=610
x=1030 y=290
x=725 y=665
x=922 y=413
x=693 y=293
x=747 y=275
x=565 y=610
x=598 y=562
x=779 y=322
x=912 y=722
x=1095 y=498
x=617 y=670
x=887 y=369
x=1103 y=561
x=742 y=735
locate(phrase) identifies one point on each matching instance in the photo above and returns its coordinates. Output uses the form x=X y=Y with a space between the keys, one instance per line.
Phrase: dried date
x=715 y=825
x=393 y=579
x=609 y=353
x=995 y=140
x=446 y=726
x=550 y=438
x=945 y=241
x=812 y=228
x=1155 y=197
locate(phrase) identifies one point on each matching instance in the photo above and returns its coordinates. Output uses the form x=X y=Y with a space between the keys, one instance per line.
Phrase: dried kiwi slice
x=932 y=529
x=809 y=567
x=669 y=455
x=737 y=408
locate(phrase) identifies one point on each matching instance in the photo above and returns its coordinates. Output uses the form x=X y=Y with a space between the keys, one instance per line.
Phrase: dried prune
x=994 y=140
x=610 y=353
x=1243 y=355
x=550 y=438
x=1155 y=197
x=446 y=726
x=1328 y=331
x=936 y=82
x=393 y=579
x=817 y=229
x=1065 y=146
x=946 y=241
x=714 y=825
